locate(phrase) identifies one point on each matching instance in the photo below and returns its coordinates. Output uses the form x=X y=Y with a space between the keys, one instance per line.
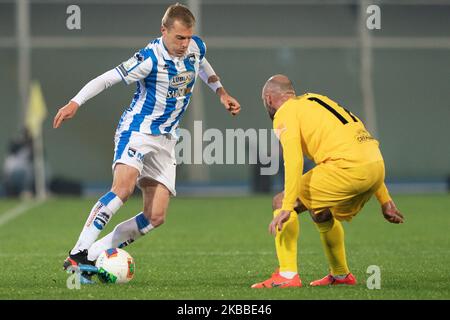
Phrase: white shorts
x=153 y=156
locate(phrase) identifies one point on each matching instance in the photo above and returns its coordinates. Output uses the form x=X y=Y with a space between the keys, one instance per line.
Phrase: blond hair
x=178 y=12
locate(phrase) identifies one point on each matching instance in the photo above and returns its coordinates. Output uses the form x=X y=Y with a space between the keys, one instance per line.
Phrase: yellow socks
x=286 y=243
x=332 y=236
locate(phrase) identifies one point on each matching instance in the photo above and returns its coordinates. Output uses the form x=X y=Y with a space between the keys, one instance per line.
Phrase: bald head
x=278 y=84
x=277 y=90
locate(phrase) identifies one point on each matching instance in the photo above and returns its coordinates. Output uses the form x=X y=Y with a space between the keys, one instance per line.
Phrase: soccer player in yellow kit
x=349 y=170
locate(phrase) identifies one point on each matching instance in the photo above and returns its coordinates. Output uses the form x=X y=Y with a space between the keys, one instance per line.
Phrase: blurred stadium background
x=397 y=79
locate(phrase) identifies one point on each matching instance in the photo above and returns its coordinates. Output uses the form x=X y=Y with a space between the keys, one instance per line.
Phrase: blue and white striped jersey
x=164 y=86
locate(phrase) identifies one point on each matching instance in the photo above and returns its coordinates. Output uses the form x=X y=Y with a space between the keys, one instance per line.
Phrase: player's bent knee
x=320 y=217
x=124 y=193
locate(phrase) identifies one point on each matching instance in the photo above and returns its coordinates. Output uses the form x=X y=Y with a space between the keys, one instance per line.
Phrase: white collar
x=166 y=54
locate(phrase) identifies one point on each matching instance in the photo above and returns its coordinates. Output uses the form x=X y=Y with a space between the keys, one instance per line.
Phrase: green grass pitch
x=215 y=248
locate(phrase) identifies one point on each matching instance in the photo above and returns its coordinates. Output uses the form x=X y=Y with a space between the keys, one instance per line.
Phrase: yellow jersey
x=318 y=127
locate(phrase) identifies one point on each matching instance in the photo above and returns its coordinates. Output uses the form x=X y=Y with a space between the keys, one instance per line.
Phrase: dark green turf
x=215 y=248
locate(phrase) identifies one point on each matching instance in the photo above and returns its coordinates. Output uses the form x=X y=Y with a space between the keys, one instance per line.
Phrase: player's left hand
x=391 y=213
x=230 y=103
x=278 y=221
x=65 y=113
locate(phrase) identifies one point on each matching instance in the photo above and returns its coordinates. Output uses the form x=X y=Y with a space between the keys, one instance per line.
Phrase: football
x=115 y=266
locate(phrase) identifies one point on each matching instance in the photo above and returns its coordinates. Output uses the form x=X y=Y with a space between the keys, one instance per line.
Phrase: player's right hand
x=64 y=113
x=278 y=221
x=391 y=213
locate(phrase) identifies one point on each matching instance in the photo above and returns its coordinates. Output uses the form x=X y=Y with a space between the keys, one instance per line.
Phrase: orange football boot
x=330 y=280
x=278 y=281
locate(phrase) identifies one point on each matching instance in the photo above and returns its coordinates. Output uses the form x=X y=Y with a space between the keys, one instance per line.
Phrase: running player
x=165 y=72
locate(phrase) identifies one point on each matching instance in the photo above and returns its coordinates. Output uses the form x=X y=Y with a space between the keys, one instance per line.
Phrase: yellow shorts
x=343 y=190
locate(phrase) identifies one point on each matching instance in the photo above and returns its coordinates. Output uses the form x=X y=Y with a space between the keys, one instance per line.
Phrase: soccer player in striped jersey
x=349 y=170
x=165 y=72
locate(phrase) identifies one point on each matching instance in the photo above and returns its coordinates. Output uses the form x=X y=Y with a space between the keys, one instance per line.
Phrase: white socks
x=122 y=235
x=100 y=215
x=288 y=274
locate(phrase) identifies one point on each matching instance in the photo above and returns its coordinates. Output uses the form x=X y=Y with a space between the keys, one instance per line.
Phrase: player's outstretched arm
x=64 y=113
x=90 y=90
x=230 y=103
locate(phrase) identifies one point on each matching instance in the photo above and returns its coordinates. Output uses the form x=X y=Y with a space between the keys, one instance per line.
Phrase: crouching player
x=349 y=170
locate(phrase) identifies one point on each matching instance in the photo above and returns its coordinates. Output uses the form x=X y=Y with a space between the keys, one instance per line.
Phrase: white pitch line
x=17 y=211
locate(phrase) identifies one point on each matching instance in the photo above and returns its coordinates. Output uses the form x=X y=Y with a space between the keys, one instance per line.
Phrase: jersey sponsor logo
x=177 y=93
x=363 y=136
x=182 y=79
